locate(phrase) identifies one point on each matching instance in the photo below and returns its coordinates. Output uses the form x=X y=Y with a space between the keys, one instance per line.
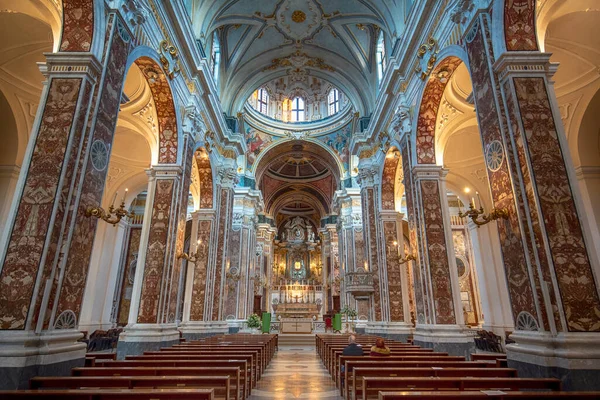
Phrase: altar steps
x=296 y=340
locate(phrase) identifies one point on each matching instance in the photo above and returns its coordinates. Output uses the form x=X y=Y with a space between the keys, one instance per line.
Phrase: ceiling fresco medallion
x=305 y=14
x=298 y=16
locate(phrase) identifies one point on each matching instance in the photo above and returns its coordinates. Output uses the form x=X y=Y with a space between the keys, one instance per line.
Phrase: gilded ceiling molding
x=300 y=60
x=426 y=58
x=169 y=58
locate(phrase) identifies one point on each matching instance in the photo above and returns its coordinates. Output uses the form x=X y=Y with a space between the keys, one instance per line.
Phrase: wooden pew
x=252 y=371
x=102 y=356
x=487 y=395
x=260 y=361
x=415 y=358
x=353 y=381
x=371 y=386
x=237 y=386
x=487 y=357
x=336 y=354
x=335 y=351
x=363 y=362
x=110 y=394
x=254 y=360
x=242 y=364
x=220 y=384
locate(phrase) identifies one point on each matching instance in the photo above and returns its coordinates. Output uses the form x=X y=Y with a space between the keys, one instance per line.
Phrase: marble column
x=369 y=181
x=351 y=248
x=194 y=323
x=551 y=271
x=45 y=252
x=264 y=242
x=226 y=180
x=241 y=255
x=391 y=228
x=442 y=323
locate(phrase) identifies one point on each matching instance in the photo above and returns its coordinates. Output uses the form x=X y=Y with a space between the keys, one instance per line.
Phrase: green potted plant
x=253 y=322
x=349 y=313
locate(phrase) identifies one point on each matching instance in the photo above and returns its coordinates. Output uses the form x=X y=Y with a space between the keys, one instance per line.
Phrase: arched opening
x=145 y=136
x=27 y=38
x=297 y=180
x=448 y=135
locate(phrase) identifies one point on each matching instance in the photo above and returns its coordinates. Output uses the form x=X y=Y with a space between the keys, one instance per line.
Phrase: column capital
x=71 y=65
x=368 y=176
x=164 y=171
x=429 y=172
x=524 y=64
x=227 y=176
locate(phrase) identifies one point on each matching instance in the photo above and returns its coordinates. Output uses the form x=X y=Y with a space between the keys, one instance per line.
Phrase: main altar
x=296 y=293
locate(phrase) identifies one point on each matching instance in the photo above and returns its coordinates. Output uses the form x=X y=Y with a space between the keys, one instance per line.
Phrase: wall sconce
x=406 y=258
x=410 y=257
x=113 y=219
x=195 y=257
x=475 y=213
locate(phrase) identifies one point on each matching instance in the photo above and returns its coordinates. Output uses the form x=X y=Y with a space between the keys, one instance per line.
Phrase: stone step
x=291 y=339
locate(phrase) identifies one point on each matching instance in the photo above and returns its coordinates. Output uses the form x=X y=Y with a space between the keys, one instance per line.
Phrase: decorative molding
x=299 y=60
x=426 y=58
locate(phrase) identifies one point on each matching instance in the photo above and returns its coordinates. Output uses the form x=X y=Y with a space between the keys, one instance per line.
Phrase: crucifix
x=296 y=297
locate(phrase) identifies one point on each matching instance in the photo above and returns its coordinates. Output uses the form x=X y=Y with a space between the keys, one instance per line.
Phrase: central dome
x=298 y=98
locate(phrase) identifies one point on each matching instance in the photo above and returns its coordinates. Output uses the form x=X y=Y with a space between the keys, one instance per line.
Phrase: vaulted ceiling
x=333 y=39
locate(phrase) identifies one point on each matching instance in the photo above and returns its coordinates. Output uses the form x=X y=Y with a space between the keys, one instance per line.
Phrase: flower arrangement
x=253 y=321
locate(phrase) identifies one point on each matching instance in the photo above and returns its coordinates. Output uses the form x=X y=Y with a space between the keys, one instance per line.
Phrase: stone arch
x=519 y=25
x=146 y=60
x=389 y=177
x=428 y=109
x=83 y=27
x=269 y=151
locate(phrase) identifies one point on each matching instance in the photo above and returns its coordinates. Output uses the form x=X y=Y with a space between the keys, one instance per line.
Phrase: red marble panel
x=133 y=247
x=536 y=248
x=84 y=228
x=165 y=109
x=224 y=223
x=188 y=160
x=78 y=25
x=156 y=250
x=437 y=252
x=369 y=204
x=413 y=216
x=428 y=111
x=519 y=281
x=42 y=184
x=205 y=178
x=519 y=25
x=394 y=272
x=199 y=284
x=55 y=234
x=557 y=206
x=388 y=183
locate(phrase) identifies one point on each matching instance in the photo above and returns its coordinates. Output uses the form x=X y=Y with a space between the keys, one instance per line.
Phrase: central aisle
x=295 y=373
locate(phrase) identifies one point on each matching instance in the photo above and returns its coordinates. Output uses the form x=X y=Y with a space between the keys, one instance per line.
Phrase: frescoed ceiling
x=298 y=178
x=331 y=39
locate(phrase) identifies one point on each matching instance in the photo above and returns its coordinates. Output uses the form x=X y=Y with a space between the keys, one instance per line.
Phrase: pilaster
x=443 y=329
x=370 y=185
x=550 y=266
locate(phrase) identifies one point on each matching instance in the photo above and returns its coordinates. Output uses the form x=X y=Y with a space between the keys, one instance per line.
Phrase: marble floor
x=296 y=372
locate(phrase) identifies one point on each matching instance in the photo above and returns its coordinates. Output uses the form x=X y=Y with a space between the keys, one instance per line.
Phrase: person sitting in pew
x=353 y=349
x=380 y=349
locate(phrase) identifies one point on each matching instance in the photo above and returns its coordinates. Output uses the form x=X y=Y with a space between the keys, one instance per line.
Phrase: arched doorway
x=298 y=180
